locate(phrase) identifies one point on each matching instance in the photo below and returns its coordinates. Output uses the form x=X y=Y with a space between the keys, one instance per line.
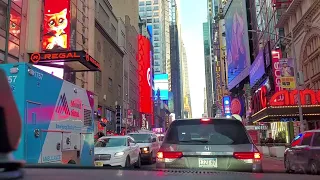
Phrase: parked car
x=149 y=145
x=120 y=151
x=207 y=143
x=304 y=153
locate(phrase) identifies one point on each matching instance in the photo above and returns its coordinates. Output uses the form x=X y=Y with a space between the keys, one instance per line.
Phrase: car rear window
x=214 y=132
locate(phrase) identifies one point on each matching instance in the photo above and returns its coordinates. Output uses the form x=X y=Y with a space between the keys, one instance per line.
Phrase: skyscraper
x=156 y=13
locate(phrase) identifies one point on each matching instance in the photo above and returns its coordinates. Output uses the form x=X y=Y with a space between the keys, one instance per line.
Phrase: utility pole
x=6 y=51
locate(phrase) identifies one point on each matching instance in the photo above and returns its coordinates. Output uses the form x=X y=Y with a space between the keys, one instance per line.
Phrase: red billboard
x=56 y=25
x=145 y=73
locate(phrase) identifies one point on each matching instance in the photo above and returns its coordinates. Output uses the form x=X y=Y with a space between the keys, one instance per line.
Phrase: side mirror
x=154 y=140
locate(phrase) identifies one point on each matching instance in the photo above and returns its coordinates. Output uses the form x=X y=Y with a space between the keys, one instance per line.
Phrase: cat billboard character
x=56 y=25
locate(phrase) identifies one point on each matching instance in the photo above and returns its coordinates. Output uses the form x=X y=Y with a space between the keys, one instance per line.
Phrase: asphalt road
x=269 y=165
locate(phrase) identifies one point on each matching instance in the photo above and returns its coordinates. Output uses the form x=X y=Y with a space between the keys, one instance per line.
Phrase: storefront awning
x=273 y=113
x=77 y=61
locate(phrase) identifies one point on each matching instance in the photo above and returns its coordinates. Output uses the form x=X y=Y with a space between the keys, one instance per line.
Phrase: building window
x=110 y=84
x=156 y=14
x=156 y=63
x=149 y=8
x=119 y=91
x=149 y=20
x=156 y=50
x=141 y=3
x=156 y=57
x=148 y=3
x=155 y=8
x=156 y=20
x=98 y=78
x=156 y=44
x=141 y=9
x=156 y=38
x=155 y=2
x=156 y=26
x=149 y=14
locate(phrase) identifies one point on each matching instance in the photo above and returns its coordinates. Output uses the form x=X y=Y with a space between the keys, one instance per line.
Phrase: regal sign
x=288 y=98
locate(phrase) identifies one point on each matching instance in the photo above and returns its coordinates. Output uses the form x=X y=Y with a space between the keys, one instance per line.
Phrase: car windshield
x=141 y=138
x=111 y=142
x=215 y=132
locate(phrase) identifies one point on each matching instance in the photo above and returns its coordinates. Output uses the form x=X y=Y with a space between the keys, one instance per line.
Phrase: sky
x=192 y=15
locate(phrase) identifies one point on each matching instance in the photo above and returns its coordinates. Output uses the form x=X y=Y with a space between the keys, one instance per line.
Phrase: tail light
x=169 y=155
x=205 y=120
x=247 y=155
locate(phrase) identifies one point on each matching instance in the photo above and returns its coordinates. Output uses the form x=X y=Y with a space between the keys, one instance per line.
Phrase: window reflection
x=15 y=21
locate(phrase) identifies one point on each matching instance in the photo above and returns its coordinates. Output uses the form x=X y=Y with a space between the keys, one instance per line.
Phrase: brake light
x=169 y=155
x=247 y=155
x=205 y=119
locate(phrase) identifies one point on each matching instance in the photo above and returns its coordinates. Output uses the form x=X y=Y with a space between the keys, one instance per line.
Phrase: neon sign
x=283 y=98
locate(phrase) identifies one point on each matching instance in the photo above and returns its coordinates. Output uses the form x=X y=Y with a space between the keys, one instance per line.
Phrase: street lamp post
x=293 y=54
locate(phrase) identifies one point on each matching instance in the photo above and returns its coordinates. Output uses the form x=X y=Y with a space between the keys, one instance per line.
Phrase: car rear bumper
x=234 y=165
x=119 y=162
x=146 y=156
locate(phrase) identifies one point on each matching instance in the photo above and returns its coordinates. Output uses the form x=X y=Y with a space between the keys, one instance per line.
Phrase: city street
x=270 y=164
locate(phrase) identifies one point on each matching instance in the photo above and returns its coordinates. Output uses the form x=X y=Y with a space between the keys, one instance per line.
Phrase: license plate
x=98 y=164
x=208 y=163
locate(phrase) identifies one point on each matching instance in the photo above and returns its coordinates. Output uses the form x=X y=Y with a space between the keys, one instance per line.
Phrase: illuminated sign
x=219 y=92
x=52 y=58
x=276 y=56
x=226 y=106
x=288 y=98
x=236 y=106
x=145 y=89
x=56 y=25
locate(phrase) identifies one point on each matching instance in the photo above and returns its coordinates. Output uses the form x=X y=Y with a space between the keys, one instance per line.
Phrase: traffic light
x=118 y=119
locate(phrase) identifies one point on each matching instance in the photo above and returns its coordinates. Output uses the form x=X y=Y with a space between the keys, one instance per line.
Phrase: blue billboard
x=161 y=84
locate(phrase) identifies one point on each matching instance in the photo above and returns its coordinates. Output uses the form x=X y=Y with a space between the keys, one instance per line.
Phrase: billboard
x=56 y=25
x=257 y=69
x=287 y=73
x=237 y=40
x=161 y=83
x=145 y=79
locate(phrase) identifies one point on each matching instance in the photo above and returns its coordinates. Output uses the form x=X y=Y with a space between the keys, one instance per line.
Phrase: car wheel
x=138 y=163
x=287 y=166
x=313 y=168
x=128 y=165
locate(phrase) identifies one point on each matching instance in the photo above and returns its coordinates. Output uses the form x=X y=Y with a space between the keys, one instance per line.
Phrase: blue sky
x=192 y=14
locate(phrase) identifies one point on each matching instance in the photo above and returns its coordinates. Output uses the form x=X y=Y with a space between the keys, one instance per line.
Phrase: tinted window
x=214 y=132
x=307 y=138
x=141 y=138
x=111 y=142
x=316 y=140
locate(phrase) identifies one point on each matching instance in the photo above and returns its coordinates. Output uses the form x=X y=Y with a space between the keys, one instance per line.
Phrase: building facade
x=108 y=83
x=155 y=12
x=187 y=111
x=175 y=58
x=301 y=23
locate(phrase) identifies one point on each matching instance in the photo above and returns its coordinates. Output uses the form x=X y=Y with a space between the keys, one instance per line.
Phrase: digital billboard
x=237 y=40
x=161 y=83
x=56 y=25
x=145 y=79
x=257 y=69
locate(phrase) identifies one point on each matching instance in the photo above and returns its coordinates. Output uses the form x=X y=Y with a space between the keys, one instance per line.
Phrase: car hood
x=109 y=150
x=141 y=145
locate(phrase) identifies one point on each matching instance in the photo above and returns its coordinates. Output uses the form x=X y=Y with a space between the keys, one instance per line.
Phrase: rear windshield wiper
x=195 y=140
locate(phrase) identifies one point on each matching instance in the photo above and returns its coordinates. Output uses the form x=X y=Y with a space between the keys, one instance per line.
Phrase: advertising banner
x=257 y=69
x=267 y=54
x=237 y=106
x=56 y=25
x=145 y=84
x=287 y=73
x=276 y=56
x=226 y=106
x=161 y=83
x=237 y=40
